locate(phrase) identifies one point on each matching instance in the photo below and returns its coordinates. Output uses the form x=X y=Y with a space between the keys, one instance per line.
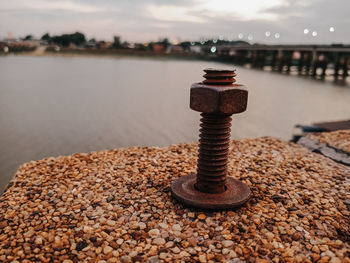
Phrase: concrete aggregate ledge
x=336 y=139
x=116 y=206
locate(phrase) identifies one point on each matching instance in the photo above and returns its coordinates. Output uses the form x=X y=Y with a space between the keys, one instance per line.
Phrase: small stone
x=315 y=256
x=296 y=236
x=120 y=241
x=335 y=260
x=154 y=232
x=29 y=233
x=169 y=244
x=176 y=227
x=81 y=245
x=316 y=249
x=232 y=254
x=163 y=255
x=125 y=259
x=192 y=251
x=163 y=225
x=299 y=228
x=110 y=222
x=270 y=236
x=176 y=250
x=133 y=254
x=324 y=260
x=110 y=198
x=256 y=221
x=227 y=243
x=38 y=240
x=158 y=241
x=202 y=258
x=185 y=244
x=67 y=261
x=225 y=251
x=107 y=250
x=323 y=248
x=201 y=216
x=184 y=254
x=142 y=225
x=154 y=259
x=191 y=214
x=134 y=225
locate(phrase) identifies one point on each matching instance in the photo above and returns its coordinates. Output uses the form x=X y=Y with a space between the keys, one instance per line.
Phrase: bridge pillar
x=274 y=59
x=324 y=64
x=308 y=62
x=289 y=57
x=336 y=65
x=345 y=67
x=301 y=62
x=314 y=63
x=280 y=60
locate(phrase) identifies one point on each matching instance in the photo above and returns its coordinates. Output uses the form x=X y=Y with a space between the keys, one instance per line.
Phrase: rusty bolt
x=217 y=97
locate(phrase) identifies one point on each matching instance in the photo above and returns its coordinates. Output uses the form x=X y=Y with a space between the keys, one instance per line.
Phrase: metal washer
x=236 y=194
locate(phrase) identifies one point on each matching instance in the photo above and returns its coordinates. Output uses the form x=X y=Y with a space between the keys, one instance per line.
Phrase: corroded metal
x=217 y=97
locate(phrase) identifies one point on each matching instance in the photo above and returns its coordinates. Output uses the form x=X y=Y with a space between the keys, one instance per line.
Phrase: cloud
x=173 y=14
x=42 y=5
x=139 y=20
x=241 y=10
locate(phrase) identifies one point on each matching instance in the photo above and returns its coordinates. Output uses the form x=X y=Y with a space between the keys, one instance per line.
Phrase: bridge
x=311 y=60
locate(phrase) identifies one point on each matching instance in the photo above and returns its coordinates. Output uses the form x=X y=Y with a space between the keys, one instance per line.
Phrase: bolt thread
x=219 y=77
x=213 y=150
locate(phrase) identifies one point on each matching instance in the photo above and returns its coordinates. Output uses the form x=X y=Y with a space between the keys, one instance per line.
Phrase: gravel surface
x=116 y=206
x=337 y=139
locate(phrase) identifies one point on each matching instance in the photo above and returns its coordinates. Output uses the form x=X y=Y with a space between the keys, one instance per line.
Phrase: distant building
x=196 y=49
x=175 y=49
x=158 y=48
x=31 y=43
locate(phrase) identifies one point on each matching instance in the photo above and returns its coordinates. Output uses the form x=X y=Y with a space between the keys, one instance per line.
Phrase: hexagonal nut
x=219 y=100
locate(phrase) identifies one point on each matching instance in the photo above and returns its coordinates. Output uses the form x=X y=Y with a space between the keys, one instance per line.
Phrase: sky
x=256 y=21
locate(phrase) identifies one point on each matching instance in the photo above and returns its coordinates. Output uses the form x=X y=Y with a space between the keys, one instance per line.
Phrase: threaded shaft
x=213 y=152
x=219 y=77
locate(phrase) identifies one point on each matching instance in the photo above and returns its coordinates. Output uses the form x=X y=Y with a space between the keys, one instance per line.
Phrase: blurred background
x=81 y=76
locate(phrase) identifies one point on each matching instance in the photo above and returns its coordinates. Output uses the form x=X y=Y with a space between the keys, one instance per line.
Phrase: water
x=52 y=106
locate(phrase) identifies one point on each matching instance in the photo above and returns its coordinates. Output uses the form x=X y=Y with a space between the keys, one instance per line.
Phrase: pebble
x=107 y=249
x=176 y=250
x=169 y=244
x=154 y=259
x=125 y=259
x=184 y=254
x=227 y=243
x=202 y=258
x=176 y=227
x=38 y=240
x=163 y=255
x=335 y=260
x=110 y=222
x=29 y=234
x=154 y=232
x=158 y=241
x=55 y=207
x=202 y=216
x=142 y=225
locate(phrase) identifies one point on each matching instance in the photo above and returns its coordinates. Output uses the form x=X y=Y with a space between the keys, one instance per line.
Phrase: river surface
x=52 y=106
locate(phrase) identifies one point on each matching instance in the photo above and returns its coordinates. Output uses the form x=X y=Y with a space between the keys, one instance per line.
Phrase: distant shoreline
x=117 y=53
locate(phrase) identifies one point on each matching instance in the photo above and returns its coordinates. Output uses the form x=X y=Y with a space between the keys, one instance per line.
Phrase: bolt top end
x=218 y=77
